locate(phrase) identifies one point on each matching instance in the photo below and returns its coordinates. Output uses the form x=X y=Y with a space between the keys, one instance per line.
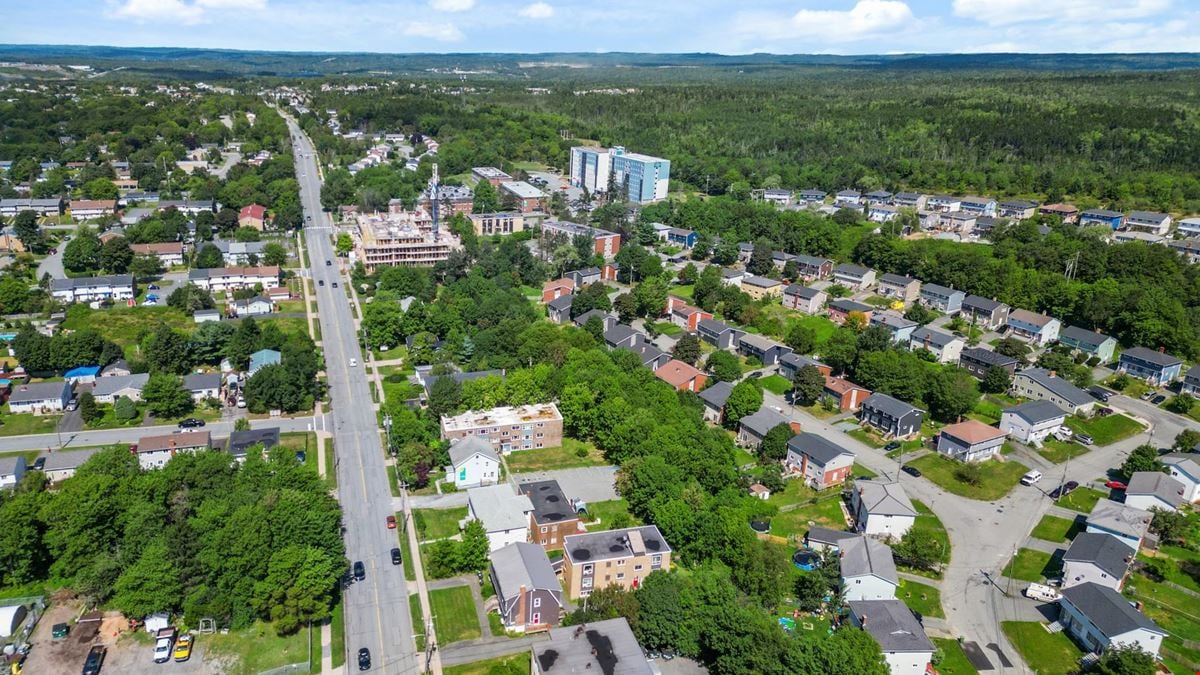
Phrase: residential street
x=376 y=609
x=82 y=439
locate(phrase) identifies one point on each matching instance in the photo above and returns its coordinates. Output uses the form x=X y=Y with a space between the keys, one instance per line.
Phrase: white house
x=945 y=347
x=1185 y=468
x=1098 y=616
x=203 y=385
x=256 y=306
x=881 y=509
x=868 y=570
x=154 y=452
x=240 y=252
x=1096 y=558
x=1032 y=422
x=88 y=289
x=39 y=398
x=503 y=513
x=1154 y=489
x=168 y=253
x=473 y=462
x=233 y=278
x=906 y=648
x=970 y=441
x=108 y=389
x=1127 y=523
x=12 y=470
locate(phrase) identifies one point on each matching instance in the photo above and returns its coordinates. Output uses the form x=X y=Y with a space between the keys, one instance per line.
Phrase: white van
x=1031 y=477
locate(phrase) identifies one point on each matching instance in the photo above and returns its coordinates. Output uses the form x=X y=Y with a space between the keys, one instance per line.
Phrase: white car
x=353 y=363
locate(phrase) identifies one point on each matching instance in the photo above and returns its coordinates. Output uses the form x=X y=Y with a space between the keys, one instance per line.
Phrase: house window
x=537 y=602
x=543 y=530
x=537 y=618
x=587 y=569
x=637 y=568
x=620 y=576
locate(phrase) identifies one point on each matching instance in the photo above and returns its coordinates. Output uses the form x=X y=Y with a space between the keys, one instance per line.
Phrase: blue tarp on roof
x=83 y=371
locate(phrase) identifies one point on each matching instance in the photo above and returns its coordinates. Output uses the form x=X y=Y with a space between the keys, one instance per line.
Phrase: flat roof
x=550 y=505
x=612 y=544
x=504 y=415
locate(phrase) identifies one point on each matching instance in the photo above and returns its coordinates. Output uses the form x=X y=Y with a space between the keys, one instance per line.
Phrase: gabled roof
x=892 y=624
x=676 y=373
x=561 y=303
x=972 y=432
x=810 y=260
x=847 y=306
x=818 y=448
x=522 y=565
x=499 y=507
x=715 y=327
x=935 y=338
x=940 y=290
x=240 y=441
x=1187 y=462
x=1102 y=213
x=798 y=361
x=763 y=420
x=619 y=333
x=648 y=352
x=1105 y=551
x=37 y=391
x=1120 y=518
x=468 y=447
x=1160 y=359
x=987 y=356
x=826 y=535
x=1155 y=484
x=851 y=270
x=889 y=405
x=717 y=394
x=895 y=280
x=1083 y=336
x=1108 y=610
x=201 y=381
x=867 y=556
x=892 y=320
x=884 y=498
x=982 y=304
x=71 y=459
x=802 y=291
x=1058 y=386
x=107 y=386
x=582 y=319
x=1036 y=412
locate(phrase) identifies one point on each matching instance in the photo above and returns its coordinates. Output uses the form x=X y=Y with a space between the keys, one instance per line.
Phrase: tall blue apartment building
x=644 y=178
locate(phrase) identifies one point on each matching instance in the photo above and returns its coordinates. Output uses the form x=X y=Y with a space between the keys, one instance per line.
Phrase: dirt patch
x=66 y=655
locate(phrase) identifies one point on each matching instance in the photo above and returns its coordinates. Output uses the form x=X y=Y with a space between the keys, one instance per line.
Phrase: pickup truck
x=164 y=642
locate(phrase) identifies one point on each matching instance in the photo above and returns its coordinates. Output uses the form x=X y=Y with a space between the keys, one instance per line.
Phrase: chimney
x=1053 y=374
x=521 y=604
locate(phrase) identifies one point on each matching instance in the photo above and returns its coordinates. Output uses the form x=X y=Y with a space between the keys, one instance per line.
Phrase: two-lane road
x=377 y=613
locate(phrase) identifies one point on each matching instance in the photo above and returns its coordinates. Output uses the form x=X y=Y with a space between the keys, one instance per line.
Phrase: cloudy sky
x=725 y=26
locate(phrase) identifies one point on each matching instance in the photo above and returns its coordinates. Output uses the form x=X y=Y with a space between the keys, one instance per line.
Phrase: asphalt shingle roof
x=1105 y=551
x=1108 y=610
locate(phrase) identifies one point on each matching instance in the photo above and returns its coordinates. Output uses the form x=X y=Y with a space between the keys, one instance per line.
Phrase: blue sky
x=725 y=26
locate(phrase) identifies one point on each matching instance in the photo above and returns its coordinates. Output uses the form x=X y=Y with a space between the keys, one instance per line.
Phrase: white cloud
x=452 y=5
x=233 y=4
x=1005 y=12
x=538 y=10
x=865 y=19
x=442 y=32
x=159 y=10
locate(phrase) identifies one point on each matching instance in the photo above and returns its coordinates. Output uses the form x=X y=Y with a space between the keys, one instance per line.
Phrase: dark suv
x=360 y=571
x=191 y=423
x=364 y=659
x=95 y=659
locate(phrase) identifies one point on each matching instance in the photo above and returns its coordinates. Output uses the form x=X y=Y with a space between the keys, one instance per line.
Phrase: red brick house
x=253 y=216
x=684 y=315
x=553 y=290
x=848 y=395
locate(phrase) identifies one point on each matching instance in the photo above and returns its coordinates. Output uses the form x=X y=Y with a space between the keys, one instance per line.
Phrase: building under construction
x=403 y=238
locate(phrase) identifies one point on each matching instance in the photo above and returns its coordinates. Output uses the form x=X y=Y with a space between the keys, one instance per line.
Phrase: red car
x=391 y=521
x=1115 y=485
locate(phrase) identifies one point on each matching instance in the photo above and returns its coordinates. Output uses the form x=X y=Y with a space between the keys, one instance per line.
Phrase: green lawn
x=667 y=328
x=437 y=523
x=997 y=478
x=683 y=291
x=821 y=326
x=108 y=418
x=825 y=510
x=860 y=471
x=562 y=457
x=865 y=437
x=1047 y=653
x=776 y=384
x=1082 y=499
x=20 y=425
x=410 y=572
x=258 y=648
x=931 y=525
x=125 y=325
x=1031 y=565
x=337 y=627
x=1171 y=610
x=454 y=614
x=611 y=514
x=922 y=598
x=1053 y=528
x=1106 y=430
x=517 y=663
x=398 y=388
x=414 y=609
x=954 y=659
x=1058 y=451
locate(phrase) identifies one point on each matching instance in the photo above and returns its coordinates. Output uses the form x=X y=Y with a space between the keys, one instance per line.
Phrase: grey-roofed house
x=87 y=289
x=1097 y=558
x=878 y=197
x=841 y=309
x=714 y=398
x=900 y=328
x=61 y=464
x=891 y=416
x=607 y=319
x=985 y=313
x=583 y=277
x=503 y=512
x=240 y=252
x=622 y=335
x=1098 y=617
x=1149 y=221
x=766 y=350
x=109 y=389
x=912 y=200
x=856 y=277
x=239 y=443
x=39 y=398
x=811 y=267
x=881 y=508
x=1039 y=329
x=12 y=470
x=203 y=385
x=1185 y=468
x=118 y=367
x=847 y=199
x=1040 y=384
x=1127 y=523
x=1154 y=489
x=1089 y=342
x=1155 y=367
x=601 y=647
x=1032 y=421
x=527 y=590
x=817 y=461
x=754 y=427
x=789 y=364
x=558 y=310
x=945 y=347
x=804 y=299
x=652 y=357
x=941 y=298
x=473 y=462
x=978 y=361
x=823 y=538
x=899 y=287
x=812 y=197
x=718 y=333
x=900 y=636
x=1016 y=209
x=554 y=516
x=868 y=570
x=1191 y=381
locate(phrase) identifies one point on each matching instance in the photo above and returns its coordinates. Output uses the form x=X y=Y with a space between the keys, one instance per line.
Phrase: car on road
x=183 y=648
x=1157 y=400
x=353 y=363
x=328 y=263
x=39 y=464
x=95 y=660
x=894 y=445
x=1115 y=485
x=396 y=558
x=391 y=522
x=191 y=423
x=1084 y=439
x=364 y=659
x=911 y=470
x=334 y=284
x=360 y=571
x=1064 y=489
x=320 y=282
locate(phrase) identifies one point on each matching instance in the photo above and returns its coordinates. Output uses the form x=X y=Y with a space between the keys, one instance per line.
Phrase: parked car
x=320 y=282
x=396 y=558
x=95 y=660
x=391 y=522
x=1157 y=400
x=164 y=642
x=360 y=571
x=1115 y=485
x=1084 y=439
x=894 y=445
x=328 y=263
x=191 y=423
x=1064 y=489
x=73 y=405
x=183 y=648
x=39 y=464
x=911 y=470
x=60 y=630
x=1031 y=477
x=1100 y=394
x=364 y=659
x=1148 y=395
x=334 y=284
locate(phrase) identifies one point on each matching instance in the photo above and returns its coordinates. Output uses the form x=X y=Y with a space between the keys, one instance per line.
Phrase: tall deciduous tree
x=687 y=349
x=808 y=384
x=165 y=396
x=746 y=398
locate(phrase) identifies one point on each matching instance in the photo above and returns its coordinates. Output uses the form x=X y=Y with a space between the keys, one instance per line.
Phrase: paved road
x=377 y=614
x=83 y=439
x=52 y=264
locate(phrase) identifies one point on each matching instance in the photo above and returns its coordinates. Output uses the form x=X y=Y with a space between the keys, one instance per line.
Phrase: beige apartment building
x=614 y=557
x=509 y=428
x=497 y=223
x=401 y=239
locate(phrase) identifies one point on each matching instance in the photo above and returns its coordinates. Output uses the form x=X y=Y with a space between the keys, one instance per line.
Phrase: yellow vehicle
x=183 y=648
